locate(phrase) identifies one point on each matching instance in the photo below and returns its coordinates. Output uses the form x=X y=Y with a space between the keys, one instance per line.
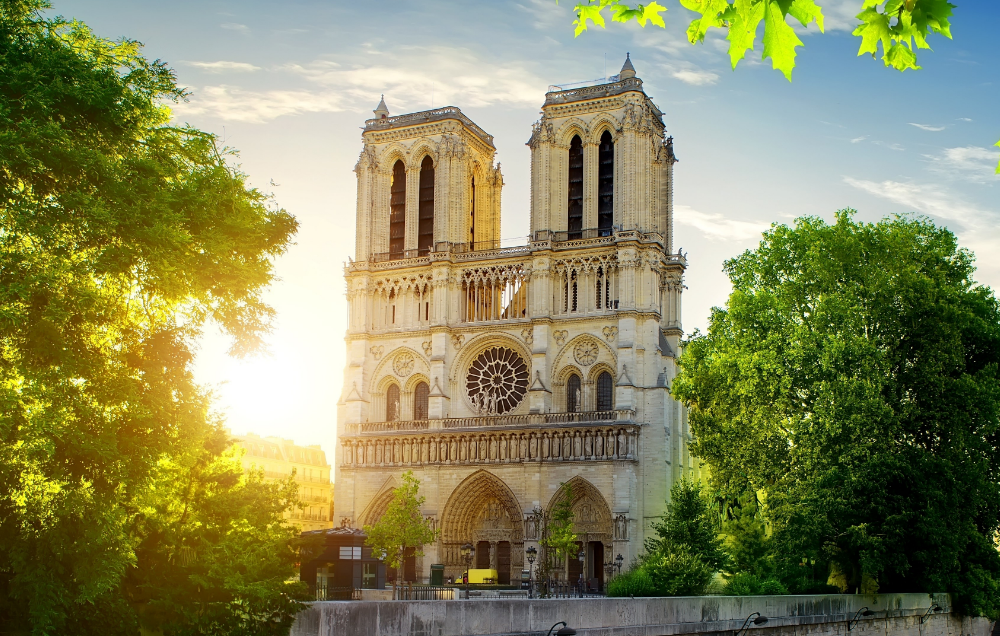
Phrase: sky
x=289 y=84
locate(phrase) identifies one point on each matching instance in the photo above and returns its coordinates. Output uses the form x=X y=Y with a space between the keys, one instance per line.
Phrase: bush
x=744 y=584
x=635 y=582
x=679 y=573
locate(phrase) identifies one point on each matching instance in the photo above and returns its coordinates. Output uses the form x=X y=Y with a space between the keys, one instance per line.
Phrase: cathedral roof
x=627 y=69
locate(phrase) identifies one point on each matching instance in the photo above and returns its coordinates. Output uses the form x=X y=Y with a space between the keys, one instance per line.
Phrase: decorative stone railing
x=492 y=421
x=592 y=443
x=426 y=116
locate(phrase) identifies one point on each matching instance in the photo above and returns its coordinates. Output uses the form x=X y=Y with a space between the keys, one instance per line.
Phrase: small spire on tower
x=381 y=111
x=628 y=71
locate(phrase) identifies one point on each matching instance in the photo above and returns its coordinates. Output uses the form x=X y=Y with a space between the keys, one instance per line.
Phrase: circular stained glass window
x=497 y=381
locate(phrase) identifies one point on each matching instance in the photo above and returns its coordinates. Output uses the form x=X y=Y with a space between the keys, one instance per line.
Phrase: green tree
x=121 y=236
x=560 y=537
x=854 y=379
x=402 y=526
x=688 y=522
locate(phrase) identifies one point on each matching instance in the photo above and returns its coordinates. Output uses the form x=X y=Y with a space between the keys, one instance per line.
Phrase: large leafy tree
x=853 y=379
x=559 y=537
x=121 y=236
x=402 y=527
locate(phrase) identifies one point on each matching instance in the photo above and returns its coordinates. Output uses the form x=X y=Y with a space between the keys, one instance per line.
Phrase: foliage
x=854 y=380
x=561 y=538
x=746 y=584
x=901 y=26
x=120 y=237
x=688 y=522
x=402 y=526
x=679 y=571
x=746 y=540
x=636 y=581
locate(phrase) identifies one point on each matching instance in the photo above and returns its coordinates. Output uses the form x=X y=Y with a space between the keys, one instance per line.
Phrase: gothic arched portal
x=483 y=511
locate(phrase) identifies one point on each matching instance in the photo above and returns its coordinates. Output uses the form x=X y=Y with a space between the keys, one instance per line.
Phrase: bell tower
x=600 y=162
x=426 y=183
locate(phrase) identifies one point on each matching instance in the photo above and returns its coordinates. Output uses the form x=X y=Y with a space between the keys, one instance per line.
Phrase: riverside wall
x=820 y=615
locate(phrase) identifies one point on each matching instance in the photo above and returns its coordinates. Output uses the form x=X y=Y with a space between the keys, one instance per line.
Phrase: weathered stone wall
x=895 y=615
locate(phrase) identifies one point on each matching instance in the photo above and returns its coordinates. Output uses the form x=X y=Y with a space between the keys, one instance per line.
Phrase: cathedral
x=496 y=374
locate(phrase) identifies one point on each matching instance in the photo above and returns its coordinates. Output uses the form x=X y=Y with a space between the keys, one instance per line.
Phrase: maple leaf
x=806 y=11
x=779 y=39
x=711 y=16
x=587 y=12
x=874 y=28
x=998 y=164
x=652 y=12
x=743 y=17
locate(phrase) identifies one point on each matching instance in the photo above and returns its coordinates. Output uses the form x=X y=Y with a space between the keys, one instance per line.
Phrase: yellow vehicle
x=481 y=576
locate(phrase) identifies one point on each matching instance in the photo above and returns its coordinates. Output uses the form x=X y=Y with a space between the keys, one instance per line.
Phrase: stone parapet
x=826 y=615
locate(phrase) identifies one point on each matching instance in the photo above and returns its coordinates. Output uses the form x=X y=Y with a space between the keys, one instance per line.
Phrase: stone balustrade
x=491 y=421
x=582 y=443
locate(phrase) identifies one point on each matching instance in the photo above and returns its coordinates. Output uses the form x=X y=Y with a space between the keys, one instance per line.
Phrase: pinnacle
x=381 y=110
x=627 y=69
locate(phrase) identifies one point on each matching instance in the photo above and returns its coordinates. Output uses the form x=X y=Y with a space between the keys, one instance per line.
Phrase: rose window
x=497 y=381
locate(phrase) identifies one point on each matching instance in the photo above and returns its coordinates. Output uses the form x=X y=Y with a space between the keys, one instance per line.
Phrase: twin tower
x=496 y=374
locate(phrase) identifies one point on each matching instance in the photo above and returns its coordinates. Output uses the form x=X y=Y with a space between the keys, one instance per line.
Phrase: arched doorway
x=483 y=511
x=592 y=524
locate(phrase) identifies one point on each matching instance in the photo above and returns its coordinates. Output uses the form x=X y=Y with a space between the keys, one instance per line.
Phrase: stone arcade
x=496 y=374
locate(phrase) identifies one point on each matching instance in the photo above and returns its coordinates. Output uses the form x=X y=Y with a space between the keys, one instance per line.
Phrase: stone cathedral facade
x=497 y=374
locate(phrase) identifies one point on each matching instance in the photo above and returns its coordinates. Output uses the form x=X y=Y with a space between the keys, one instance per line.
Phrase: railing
x=325 y=593
x=410 y=592
x=589 y=92
x=493 y=421
x=437 y=114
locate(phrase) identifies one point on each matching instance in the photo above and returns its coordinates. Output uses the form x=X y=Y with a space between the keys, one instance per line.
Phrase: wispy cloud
x=696 y=78
x=222 y=66
x=410 y=78
x=964 y=119
x=858 y=140
x=927 y=127
x=840 y=15
x=234 y=26
x=969 y=163
x=929 y=199
x=717 y=227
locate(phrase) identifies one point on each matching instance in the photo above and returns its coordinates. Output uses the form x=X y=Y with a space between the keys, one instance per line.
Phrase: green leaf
x=873 y=29
x=806 y=11
x=652 y=12
x=901 y=57
x=744 y=17
x=587 y=12
x=998 y=164
x=779 y=39
x=711 y=16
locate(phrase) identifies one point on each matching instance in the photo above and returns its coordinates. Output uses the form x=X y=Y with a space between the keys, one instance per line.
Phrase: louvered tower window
x=472 y=217
x=573 y=394
x=605 y=392
x=425 y=235
x=575 y=211
x=420 y=400
x=605 y=185
x=397 y=211
x=392 y=403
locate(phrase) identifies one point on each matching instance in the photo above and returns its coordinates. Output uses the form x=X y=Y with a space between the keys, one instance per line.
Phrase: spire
x=628 y=71
x=382 y=111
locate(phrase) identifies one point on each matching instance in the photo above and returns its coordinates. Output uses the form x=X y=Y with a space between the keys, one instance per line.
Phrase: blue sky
x=289 y=84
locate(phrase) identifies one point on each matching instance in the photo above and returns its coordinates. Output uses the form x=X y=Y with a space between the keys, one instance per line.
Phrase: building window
x=392 y=403
x=575 y=210
x=420 y=401
x=472 y=217
x=605 y=392
x=368 y=575
x=605 y=185
x=350 y=553
x=573 y=394
x=397 y=211
x=425 y=234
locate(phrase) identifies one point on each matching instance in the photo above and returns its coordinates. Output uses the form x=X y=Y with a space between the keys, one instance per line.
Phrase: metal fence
x=410 y=592
x=325 y=593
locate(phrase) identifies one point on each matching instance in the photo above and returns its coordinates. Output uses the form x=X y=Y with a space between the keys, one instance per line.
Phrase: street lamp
x=864 y=611
x=532 y=555
x=618 y=563
x=757 y=620
x=467 y=553
x=609 y=569
x=583 y=572
x=563 y=631
x=933 y=608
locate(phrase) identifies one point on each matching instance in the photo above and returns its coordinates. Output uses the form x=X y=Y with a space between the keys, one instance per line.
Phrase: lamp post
x=609 y=569
x=757 y=620
x=618 y=563
x=467 y=553
x=582 y=583
x=563 y=631
x=933 y=608
x=864 y=611
x=532 y=555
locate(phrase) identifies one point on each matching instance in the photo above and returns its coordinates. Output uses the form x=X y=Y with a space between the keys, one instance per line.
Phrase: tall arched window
x=392 y=403
x=605 y=392
x=420 y=401
x=573 y=394
x=605 y=184
x=425 y=233
x=472 y=217
x=574 y=221
x=397 y=211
